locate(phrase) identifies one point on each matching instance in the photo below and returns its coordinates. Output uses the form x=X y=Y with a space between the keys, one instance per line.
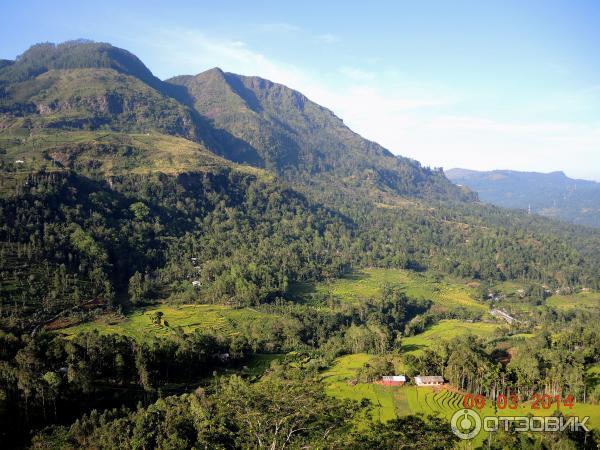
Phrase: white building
x=393 y=380
x=429 y=380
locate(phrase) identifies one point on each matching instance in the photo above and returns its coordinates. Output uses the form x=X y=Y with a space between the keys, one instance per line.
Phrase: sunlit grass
x=583 y=300
x=368 y=283
x=215 y=319
x=446 y=330
x=388 y=402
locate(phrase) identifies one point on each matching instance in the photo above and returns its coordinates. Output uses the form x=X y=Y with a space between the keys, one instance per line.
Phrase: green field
x=391 y=402
x=210 y=318
x=444 y=330
x=368 y=283
x=337 y=380
x=583 y=300
x=387 y=402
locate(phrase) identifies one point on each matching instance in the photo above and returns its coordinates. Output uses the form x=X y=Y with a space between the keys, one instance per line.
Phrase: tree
x=157 y=317
x=140 y=210
x=410 y=433
x=136 y=288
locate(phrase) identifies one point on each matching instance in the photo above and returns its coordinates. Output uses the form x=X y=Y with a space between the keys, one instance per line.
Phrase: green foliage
x=333 y=246
x=139 y=210
x=136 y=288
x=375 y=369
x=157 y=318
x=73 y=54
x=412 y=431
x=275 y=413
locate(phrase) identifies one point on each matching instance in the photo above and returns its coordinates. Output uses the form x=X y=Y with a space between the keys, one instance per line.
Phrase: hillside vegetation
x=157 y=237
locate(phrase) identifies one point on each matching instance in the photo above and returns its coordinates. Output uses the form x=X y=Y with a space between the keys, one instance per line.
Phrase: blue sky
x=478 y=84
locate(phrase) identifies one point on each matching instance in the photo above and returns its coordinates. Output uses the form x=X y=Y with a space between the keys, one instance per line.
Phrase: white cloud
x=328 y=38
x=355 y=73
x=278 y=28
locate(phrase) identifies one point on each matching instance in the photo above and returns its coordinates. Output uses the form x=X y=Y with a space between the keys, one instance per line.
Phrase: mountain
x=81 y=85
x=162 y=237
x=280 y=129
x=549 y=194
x=107 y=172
x=86 y=85
x=79 y=54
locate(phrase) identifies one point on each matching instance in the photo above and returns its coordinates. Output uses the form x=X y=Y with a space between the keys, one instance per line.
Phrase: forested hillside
x=124 y=199
x=282 y=130
x=87 y=204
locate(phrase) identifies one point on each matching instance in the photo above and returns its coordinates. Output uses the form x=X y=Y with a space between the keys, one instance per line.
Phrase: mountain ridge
x=286 y=132
x=105 y=180
x=551 y=194
x=82 y=85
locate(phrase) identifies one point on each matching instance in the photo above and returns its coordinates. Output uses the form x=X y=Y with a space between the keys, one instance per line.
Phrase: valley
x=217 y=261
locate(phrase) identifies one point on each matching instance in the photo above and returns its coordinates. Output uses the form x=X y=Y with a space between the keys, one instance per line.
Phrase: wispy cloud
x=328 y=38
x=281 y=27
x=355 y=73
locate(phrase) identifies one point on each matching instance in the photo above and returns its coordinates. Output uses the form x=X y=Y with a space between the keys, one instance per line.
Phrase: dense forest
x=68 y=239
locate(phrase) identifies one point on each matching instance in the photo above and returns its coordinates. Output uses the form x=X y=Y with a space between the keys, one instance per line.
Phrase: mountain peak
x=246 y=119
x=214 y=71
x=77 y=54
x=276 y=127
x=551 y=194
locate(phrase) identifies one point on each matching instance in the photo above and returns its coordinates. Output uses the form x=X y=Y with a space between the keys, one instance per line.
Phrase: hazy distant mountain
x=549 y=194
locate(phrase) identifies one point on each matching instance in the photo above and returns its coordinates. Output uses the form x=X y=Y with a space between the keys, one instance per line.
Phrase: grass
x=582 y=300
x=368 y=283
x=444 y=330
x=260 y=362
x=215 y=319
x=111 y=153
x=385 y=405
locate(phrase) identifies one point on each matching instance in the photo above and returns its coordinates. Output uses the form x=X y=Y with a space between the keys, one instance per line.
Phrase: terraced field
x=217 y=319
x=429 y=402
x=391 y=402
x=368 y=283
x=338 y=382
x=582 y=300
x=387 y=402
x=446 y=329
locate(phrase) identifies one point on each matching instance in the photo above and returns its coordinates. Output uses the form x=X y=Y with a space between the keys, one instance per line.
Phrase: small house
x=196 y=283
x=429 y=380
x=19 y=161
x=393 y=380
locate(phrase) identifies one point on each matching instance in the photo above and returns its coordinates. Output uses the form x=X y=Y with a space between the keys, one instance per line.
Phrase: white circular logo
x=466 y=423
